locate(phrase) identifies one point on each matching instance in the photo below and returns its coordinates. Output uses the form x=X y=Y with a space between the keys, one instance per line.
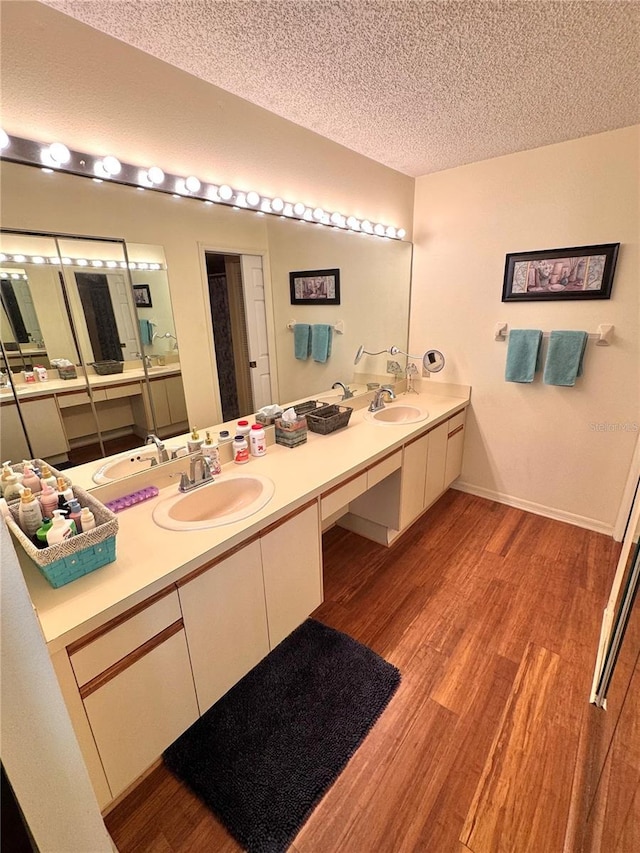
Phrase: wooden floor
x=492 y=616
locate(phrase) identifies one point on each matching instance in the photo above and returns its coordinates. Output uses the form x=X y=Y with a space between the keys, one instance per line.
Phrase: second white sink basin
x=228 y=499
x=397 y=414
x=132 y=462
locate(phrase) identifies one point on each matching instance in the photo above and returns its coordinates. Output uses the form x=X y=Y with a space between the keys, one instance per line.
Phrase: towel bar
x=337 y=327
x=602 y=337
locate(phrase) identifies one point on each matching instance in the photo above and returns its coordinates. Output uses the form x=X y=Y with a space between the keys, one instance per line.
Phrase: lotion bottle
x=30 y=479
x=7 y=471
x=12 y=488
x=87 y=519
x=29 y=513
x=60 y=529
x=47 y=476
x=210 y=451
x=194 y=442
x=65 y=493
x=48 y=499
x=74 y=509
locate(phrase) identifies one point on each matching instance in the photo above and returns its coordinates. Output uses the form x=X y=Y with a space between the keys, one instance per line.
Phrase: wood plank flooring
x=492 y=616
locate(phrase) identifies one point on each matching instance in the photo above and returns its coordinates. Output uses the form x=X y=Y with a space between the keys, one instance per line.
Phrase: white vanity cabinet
x=135 y=683
x=292 y=570
x=225 y=620
x=455 y=448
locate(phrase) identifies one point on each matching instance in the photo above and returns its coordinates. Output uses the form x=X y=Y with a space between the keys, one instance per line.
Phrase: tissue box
x=266 y=420
x=291 y=433
x=68 y=372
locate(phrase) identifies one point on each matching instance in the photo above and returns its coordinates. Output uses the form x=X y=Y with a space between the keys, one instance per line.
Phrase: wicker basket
x=105 y=368
x=69 y=560
x=329 y=419
x=308 y=406
x=68 y=372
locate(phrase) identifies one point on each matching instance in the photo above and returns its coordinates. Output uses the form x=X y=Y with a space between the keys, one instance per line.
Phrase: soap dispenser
x=47 y=476
x=30 y=479
x=7 y=471
x=48 y=499
x=12 y=488
x=194 y=442
x=65 y=493
x=60 y=529
x=29 y=513
x=210 y=451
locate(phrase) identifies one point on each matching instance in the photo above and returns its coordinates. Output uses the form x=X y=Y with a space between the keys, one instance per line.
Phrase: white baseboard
x=537 y=509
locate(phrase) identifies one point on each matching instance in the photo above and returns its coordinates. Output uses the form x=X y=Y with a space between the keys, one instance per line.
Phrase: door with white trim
x=255 y=309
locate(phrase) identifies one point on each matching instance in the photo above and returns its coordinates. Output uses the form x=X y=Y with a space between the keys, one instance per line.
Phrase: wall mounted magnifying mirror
x=432 y=361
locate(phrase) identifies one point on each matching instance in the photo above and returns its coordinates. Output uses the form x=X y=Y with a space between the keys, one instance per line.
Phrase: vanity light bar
x=56 y=157
x=82 y=262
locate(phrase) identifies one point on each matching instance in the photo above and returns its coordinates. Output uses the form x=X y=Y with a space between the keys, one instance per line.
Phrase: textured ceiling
x=417 y=86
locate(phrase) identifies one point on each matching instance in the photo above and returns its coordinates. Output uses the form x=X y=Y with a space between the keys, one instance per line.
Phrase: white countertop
x=150 y=557
x=55 y=385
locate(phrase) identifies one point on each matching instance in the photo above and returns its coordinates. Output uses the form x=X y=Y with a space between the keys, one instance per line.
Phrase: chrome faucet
x=378 y=403
x=346 y=391
x=163 y=456
x=199 y=474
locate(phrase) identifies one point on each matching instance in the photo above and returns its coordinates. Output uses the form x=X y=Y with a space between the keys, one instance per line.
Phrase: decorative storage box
x=68 y=372
x=60 y=564
x=105 y=368
x=328 y=419
x=291 y=434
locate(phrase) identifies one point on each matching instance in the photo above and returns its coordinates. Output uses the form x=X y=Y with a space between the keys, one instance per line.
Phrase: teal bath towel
x=523 y=355
x=564 y=357
x=321 y=342
x=146 y=332
x=302 y=341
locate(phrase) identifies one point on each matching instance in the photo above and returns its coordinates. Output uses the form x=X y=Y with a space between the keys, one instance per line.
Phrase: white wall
x=39 y=749
x=535 y=445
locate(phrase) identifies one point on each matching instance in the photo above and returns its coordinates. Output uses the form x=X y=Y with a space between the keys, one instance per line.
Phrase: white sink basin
x=397 y=414
x=132 y=462
x=228 y=499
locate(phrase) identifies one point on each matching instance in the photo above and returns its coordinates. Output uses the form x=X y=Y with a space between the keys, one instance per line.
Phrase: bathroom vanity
x=145 y=645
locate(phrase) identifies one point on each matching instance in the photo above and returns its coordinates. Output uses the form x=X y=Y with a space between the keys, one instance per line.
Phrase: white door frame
x=268 y=292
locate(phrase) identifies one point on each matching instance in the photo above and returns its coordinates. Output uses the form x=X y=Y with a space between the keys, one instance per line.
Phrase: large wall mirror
x=196 y=248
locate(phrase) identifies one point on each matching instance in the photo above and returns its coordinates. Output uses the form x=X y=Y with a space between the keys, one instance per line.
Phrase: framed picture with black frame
x=142 y=296
x=315 y=287
x=580 y=272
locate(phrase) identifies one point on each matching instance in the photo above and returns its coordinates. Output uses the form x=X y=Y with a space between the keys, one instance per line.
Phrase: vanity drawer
x=378 y=472
x=456 y=421
x=131 y=390
x=341 y=496
x=80 y=398
x=95 y=653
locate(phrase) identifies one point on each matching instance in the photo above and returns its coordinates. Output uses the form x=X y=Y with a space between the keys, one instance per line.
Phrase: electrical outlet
x=425 y=373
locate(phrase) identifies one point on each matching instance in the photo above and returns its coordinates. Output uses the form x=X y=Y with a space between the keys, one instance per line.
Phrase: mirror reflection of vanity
x=176 y=233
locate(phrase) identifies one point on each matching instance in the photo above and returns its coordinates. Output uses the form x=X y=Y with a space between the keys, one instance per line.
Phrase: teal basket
x=81 y=563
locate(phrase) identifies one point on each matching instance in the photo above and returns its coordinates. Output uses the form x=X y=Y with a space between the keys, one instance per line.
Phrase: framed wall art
x=142 y=296
x=315 y=287
x=581 y=272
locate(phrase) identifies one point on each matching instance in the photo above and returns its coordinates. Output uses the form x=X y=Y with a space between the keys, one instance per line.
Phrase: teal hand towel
x=302 y=341
x=321 y=335
x=564 y=357
x=146 y=332
x=523 y=355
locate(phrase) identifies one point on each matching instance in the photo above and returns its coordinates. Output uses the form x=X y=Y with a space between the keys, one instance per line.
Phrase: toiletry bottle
x=65 y=493
x=210 y=451
x=258 y=440
x=29 y=513
x=30 y=479
x=194 y=442
x=240 y=450
x=224 y=435
x=87 y=519
x=60 y=529
x=75 y=511
x=48 y=499
x=40 y=538
x=12 y=488
x=47 y=476
x=7 y=471
x=243 y=428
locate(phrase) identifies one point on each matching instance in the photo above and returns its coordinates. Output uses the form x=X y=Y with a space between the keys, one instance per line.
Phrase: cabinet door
x=414 y=473
x=44 y=427
x=226 y=623
x=177 y=402
x=292 y=568
x=136 y=714
x=436 y=463
x=455 y=448
x=160 y=402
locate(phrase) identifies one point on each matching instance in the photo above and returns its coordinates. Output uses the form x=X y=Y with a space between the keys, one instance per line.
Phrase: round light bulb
x=37 y=259
x=277 y=205
x=111 y=165
x=401 y=233
x=66 y=261
x=366 y=226
x=241 y=199
x=3 y=257
x=14 y=275
x=4 y=140
x=288 y=210
x=143 y=266
x=352 y=222
x=154 y=266
x=225 y=192
x=299 y=209
x=253 y=198
x=97 y=264
x=318 y=213
x=336 y=218
x=82 y=263
x=192 y=184
x=379 y=230
x=19 y=259
x=155 y=175
x=59 y=153
x=132 y=266
x=112 y=264
x=391 y=231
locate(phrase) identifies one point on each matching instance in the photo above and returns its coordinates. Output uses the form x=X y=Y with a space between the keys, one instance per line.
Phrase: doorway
x=237 y=300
